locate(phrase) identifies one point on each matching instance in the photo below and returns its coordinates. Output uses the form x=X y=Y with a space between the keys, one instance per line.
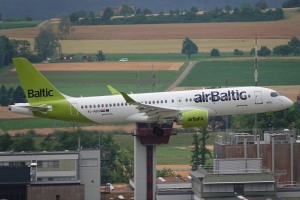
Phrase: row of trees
x=293 y=47
x=131 y=16
x=10 y=95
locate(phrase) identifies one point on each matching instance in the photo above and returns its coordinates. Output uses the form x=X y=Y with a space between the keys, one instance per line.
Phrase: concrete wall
x=55 y=192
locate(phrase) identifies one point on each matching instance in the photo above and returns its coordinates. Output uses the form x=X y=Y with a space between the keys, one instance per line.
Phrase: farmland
x=167 y=38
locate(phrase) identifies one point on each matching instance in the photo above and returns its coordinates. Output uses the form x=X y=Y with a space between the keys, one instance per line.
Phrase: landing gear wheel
x=158 y=131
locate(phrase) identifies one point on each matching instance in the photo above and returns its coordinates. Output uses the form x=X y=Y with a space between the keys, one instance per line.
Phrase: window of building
x=89 y=162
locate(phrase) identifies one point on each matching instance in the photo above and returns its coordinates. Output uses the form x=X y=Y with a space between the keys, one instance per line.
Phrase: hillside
x=45 y=9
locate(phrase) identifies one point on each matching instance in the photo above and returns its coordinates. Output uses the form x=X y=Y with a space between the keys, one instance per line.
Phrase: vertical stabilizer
x=36 y=87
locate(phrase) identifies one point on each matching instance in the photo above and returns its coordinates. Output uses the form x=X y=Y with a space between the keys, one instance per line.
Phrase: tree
x=215 y=52
x=195 y=152
x=107 y=14
x=147 y=11
x=74 y=17
x=126 y=10
x=194 y=9
x=204 y=152
x=189 y=47
x=282 y=50
x=24 y=142
x=47 y=43
x=228 y=9
x=28 y=18
x=64 y=27
x=264 y=51
x=238 y=52
x=21 y=48
x=100 y=56
x=19 y=95
x=6 y=51
x=295 y=44
x=261 y=5
x=4 y=98
x=5 y=142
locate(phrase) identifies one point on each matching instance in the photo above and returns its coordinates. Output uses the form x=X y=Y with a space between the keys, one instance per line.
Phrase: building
x=232 y=178
x=73 y=175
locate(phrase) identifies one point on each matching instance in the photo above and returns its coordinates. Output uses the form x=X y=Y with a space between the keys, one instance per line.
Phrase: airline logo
x=43 y=92
x=195 y=119
x=214 y=96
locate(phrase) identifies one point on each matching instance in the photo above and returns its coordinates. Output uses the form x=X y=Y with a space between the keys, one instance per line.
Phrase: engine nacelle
x=193 y=118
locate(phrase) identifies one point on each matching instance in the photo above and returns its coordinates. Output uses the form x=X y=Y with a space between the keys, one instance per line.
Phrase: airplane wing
x=152 y=111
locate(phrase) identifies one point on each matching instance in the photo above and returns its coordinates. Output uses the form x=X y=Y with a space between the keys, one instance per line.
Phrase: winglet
x=127 y=98
x=112 y=90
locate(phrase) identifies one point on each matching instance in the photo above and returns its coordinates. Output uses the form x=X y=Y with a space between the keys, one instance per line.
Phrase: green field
x=93 y=83
x=21 y=24
x=240 y=73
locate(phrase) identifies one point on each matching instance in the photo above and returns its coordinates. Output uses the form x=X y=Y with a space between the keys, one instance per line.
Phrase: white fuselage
x=221 y=101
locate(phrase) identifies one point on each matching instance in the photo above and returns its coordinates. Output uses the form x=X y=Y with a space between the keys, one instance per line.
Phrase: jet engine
x=193 y=118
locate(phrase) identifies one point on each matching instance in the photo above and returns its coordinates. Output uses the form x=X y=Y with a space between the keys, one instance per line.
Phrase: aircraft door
x=258 y=97
x=74 y=109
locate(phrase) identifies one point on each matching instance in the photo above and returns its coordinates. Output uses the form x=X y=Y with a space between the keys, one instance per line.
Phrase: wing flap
x=152 y=111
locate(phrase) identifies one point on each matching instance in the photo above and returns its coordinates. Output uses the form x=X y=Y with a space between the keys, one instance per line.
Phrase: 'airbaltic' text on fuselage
x=230 y=95
x=39 y=93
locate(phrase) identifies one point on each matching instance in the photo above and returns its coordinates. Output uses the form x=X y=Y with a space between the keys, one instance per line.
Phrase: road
x=183 y=75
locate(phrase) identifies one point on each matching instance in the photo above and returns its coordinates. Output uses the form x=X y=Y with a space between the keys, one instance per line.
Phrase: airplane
x=189 y=108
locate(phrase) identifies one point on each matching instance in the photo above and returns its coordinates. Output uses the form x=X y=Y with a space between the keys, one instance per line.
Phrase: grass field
x=22 y=24
x=93 y=83
x=220 y=73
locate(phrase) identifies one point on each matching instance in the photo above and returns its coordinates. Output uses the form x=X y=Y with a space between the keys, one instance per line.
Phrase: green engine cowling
x=193 y=118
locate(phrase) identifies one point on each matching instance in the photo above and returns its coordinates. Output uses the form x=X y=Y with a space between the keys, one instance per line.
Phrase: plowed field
x=284 y=29
x=110 y=66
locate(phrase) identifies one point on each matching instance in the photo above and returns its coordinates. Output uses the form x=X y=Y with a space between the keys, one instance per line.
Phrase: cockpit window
x=275 y=94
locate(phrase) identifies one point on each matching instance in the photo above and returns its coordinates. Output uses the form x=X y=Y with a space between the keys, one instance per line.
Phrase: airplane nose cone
x=9 y=108
x=288 y=103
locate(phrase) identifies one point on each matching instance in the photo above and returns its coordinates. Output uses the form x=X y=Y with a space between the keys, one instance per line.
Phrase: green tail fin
x=36 y=87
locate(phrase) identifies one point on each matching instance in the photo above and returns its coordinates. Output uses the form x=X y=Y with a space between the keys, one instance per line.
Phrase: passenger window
x=161 y=101
x=81 y=107
x=90 y=106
